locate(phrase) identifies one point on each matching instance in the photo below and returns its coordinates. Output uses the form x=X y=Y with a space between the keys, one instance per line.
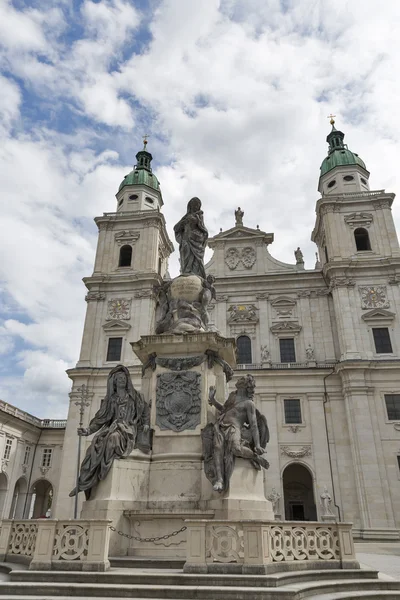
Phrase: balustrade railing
x=259 y=546
x=21 y=414
x=292 y=365
x=45 y=543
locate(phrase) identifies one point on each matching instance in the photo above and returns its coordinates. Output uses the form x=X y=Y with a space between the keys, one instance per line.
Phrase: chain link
x=149 y=539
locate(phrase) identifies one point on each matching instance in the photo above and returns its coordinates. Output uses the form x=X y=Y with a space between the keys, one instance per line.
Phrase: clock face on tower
x=119 y=308
x=374 y=297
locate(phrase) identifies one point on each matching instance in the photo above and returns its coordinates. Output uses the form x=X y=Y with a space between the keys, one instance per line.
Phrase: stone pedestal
x=245 y=497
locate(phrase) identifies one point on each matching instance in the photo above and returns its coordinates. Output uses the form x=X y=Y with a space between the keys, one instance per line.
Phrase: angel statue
x=240 y=430
x=122 y=423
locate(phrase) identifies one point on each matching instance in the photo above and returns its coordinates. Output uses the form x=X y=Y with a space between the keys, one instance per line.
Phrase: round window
x=332 y=183
x=149 y=200
x=133 y=197
x=348 y=178
x=363 y=181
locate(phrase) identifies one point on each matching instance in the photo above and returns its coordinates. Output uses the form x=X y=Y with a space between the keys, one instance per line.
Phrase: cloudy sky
x=234 y=95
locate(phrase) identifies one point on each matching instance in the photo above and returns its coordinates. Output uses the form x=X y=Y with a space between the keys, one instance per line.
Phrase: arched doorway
x=298 y=494
x=3 y=492
x=41 y=499
x=18 y=501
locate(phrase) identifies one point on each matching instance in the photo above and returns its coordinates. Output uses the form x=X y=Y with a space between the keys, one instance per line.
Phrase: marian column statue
x=122 y=423
x=240 y=430
x=192 y=235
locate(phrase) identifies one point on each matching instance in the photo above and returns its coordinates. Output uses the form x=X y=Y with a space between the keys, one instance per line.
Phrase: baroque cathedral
x=323 y=346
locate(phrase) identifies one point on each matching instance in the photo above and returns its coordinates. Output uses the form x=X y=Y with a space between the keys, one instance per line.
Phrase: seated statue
x=240 y=430
x=122 y=423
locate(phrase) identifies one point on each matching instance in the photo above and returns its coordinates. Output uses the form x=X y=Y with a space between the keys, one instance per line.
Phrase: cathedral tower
x=360 y=257
x=131 y=259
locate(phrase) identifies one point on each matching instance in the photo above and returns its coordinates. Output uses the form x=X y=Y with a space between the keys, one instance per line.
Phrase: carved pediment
x=378 y=315
x=286 y=327
x=116 y=326
x=128 y=236
x=241 y=233
x=359 y=219
x=283 y=302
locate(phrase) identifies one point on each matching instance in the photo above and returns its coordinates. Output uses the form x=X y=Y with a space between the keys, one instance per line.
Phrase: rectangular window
x=292 y=411
x=46 y=457
x=7 y=449
x=382 y=341
x=398 y=461
x=27 y=455
x=114 y=349
x=288 y=354
x=393 y=406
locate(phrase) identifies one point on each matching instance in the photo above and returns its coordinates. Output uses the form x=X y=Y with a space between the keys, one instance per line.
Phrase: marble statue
x=239 y=216
x=299 y=257
x=240 y=430
x=265 y=355
x=274 y=498
x=326 y=501
x=310 y=353
x=122 y=423
x=191 y=235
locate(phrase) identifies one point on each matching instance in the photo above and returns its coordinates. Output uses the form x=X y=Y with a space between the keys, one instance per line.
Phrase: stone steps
x=348 y=588
x=176 y=578
x=130 y=562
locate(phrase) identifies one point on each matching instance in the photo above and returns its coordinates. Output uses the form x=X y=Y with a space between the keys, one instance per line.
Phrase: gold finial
x=145 y=136
x=332 y=119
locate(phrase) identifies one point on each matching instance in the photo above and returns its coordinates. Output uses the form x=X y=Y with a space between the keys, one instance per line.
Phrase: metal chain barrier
x=150 y=539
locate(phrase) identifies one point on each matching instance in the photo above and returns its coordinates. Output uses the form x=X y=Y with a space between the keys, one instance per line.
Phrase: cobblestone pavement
x=384 y=557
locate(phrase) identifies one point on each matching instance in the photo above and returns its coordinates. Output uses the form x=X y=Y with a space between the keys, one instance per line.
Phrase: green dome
x=338 y=153
x=140 y=177
x=340 y=158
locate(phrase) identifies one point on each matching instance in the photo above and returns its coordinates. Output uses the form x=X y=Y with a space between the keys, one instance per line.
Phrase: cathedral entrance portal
x=298 y=494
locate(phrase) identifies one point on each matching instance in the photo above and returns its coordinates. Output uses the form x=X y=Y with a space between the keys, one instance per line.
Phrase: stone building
x=30 y=451
x=322 y=343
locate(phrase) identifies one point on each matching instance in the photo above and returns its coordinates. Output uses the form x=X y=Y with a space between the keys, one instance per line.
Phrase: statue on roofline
x=240 y=430
x=122 y=423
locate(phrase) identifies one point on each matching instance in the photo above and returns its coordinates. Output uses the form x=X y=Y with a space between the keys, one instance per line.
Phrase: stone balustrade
x=267 y=546
x=73 y=545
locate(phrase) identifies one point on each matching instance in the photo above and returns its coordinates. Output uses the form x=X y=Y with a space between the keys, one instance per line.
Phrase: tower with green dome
x=140 y=189
x=342 y=171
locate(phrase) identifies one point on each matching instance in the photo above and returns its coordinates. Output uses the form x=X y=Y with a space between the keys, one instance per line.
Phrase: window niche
x=382 y=341
x=125 y=256
x=361 y=237
x=292 y=410
x=244 y=353
x=114 y=349
x=392 y=402
x=287 y=350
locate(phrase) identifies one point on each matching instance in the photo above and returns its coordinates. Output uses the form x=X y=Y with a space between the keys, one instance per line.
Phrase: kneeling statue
x=122 y=423
x=240 y=430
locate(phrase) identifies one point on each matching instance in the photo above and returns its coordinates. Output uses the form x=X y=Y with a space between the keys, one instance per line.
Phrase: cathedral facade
x=323 y=345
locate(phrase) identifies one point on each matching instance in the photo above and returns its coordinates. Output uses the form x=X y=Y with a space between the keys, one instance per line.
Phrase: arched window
x=125 y=256
x=244 y=350
x=362 y=239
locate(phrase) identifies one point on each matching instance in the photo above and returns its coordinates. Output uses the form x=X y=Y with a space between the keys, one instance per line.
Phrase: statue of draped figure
x=122 y=423
x=191 y=235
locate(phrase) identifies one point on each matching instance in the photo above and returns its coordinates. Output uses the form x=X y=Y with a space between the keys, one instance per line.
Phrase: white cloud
x=237 y=92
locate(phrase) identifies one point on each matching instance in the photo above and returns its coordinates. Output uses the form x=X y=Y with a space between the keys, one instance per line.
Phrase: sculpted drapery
x=191 y=235
x=121 y=421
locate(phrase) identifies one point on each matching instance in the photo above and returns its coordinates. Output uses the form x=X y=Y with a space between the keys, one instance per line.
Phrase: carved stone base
x=245 y=498
x=258 y=547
